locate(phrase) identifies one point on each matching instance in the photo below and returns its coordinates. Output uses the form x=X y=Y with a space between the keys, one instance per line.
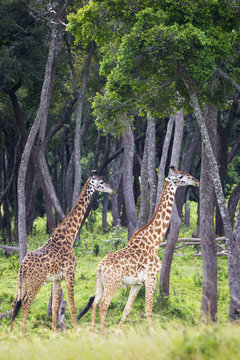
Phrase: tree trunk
x=207 y=234
x=40 y=117
x=164 y=156
x=231 y=240
x=175 y=221
x=38 y=152
x=115 y=181
x=50 y=216
x=151 y=164
x=1 y=171
x=233 y=202
x=128 y=143
x=223 y=136
x=144 y=206
x=105 y=207
x=77 y=134
x=190 y=149
x=168 y=255
x=32 y=204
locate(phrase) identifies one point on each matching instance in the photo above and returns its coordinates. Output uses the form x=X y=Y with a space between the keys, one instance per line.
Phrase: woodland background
x=128 y=88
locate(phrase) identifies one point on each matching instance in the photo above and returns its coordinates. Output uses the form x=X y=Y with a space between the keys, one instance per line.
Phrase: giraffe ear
x=94 y=172
x=173 y=168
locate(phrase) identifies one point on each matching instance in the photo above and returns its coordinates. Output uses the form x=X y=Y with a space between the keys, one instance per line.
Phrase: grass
x=178 y=333
x=212 y=342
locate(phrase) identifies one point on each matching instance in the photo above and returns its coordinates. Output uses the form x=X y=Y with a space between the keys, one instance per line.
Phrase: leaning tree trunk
x=175 y=221
x=207 y=234
x=128 y=143
x=40 y=117
x=231 y=238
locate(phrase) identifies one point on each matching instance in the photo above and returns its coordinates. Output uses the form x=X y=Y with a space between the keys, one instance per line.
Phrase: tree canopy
x=147 y=47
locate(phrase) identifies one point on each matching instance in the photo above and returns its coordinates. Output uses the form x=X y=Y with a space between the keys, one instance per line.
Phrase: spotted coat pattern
x=55 y=260
x=137 y=263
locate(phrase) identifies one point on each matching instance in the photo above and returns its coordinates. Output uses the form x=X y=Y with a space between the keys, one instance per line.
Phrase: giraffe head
x=99 y=184
x=181 y=178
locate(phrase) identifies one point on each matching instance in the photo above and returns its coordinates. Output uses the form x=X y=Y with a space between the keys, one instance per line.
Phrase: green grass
x=213 y=342
x=178 y=333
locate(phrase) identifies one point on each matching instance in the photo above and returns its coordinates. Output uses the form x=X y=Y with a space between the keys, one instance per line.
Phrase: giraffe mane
x=149 y=222
x=82 y=192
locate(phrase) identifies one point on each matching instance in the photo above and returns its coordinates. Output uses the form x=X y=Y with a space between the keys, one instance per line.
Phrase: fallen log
x=9 y=249
x=196 y=241
x=219 y=253
x=187 y=244
x=7 y=314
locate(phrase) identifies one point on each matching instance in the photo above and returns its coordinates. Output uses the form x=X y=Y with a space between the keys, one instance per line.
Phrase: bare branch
x=228 y=78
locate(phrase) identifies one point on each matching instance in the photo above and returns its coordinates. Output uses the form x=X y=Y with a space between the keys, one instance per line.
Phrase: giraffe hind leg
x=16 y=307
x=27 y=302
x=109 y=290
x=97 y=299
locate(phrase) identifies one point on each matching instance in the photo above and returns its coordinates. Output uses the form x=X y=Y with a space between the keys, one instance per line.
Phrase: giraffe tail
x=17 y=303
x=15 y=310
x=91 y=300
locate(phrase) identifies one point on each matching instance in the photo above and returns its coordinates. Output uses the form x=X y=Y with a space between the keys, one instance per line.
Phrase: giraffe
x=55 y=260
x=137 y=263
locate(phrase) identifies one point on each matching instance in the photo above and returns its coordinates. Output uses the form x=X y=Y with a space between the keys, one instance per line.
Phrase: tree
x=207 y=234
x=232 y=236
x=77 y=137
x=175 y=221
x=38 y=126
x=128 y=144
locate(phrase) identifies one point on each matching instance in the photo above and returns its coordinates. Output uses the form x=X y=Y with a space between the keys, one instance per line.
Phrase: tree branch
x=228 y=78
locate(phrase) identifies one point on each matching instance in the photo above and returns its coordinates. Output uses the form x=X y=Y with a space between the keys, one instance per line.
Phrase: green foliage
x=146 y=45
x=98 y=243
x=116 y=238
x=21 y=48
x=190 y=231
x=39 y=235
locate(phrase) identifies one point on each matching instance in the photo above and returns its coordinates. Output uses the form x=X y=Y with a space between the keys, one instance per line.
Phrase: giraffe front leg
x=149 y=292
x=70 y=293
x=132 y=296
x=55 y=300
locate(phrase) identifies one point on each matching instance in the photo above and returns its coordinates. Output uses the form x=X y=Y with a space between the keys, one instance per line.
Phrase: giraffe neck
x=70 y=226
x=156 y=228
